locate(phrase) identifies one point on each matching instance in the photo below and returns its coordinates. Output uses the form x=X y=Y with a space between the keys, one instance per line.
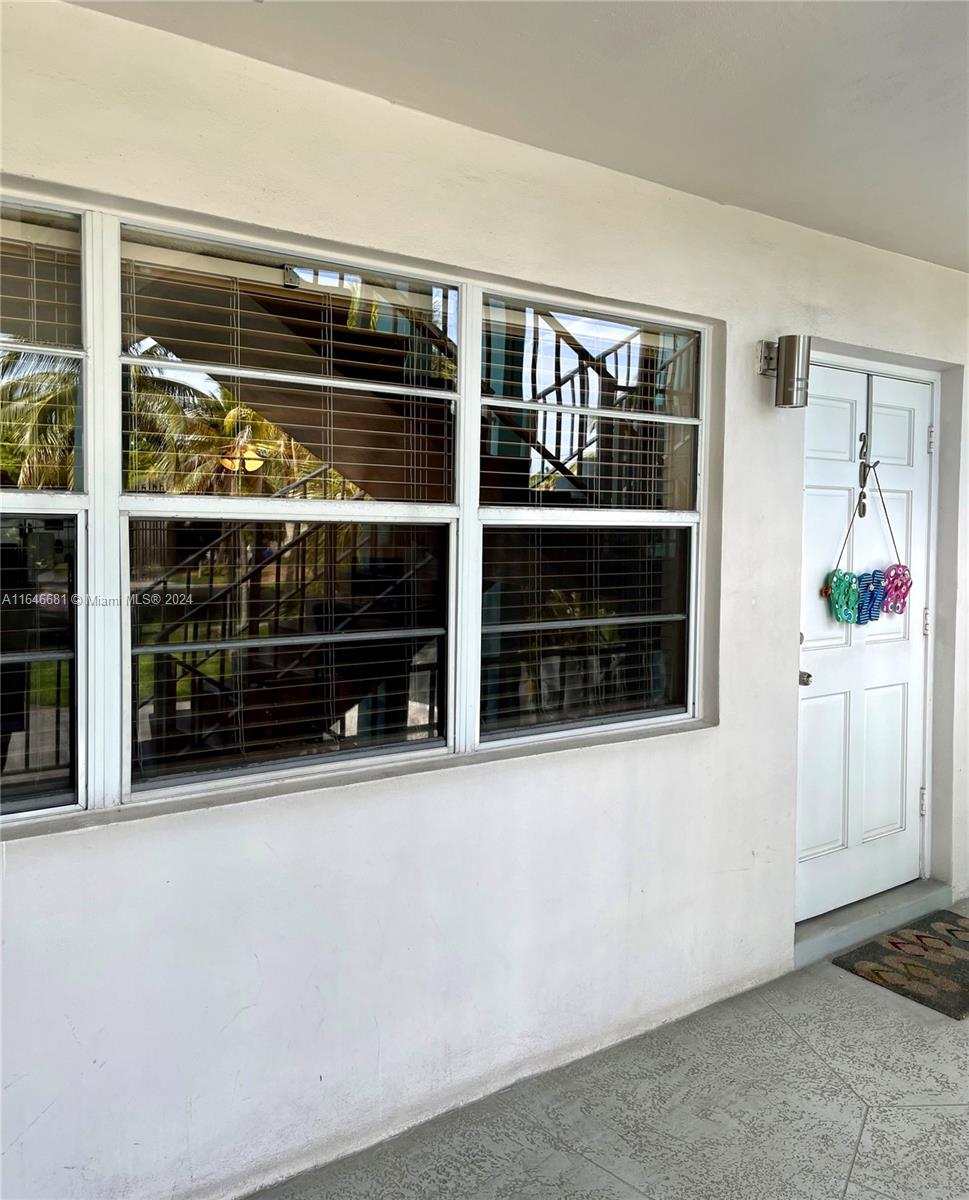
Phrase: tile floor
x=818 y=1086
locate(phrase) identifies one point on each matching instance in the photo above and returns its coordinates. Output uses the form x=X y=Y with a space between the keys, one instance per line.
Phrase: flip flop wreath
x=859 y=599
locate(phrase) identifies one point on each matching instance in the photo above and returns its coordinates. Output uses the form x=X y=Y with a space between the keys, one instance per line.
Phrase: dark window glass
x=573 y=457
x=188 y=432
x=580 y=624
x=317 y=320
x=40 y=277
x=37 y=662
x=262 y=642
x=40 y=416
x=547 y=355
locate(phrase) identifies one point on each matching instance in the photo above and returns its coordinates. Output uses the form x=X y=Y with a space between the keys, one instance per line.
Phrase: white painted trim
x=932 y=604
x=28 y=502
x=591 y=412
x=468 y=566
x=640 y=518
x=283 y=508
x=102 y=452
x=10 y=345
x=333 y=382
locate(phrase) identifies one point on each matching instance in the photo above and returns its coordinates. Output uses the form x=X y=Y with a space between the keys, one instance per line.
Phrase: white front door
x=861 y=726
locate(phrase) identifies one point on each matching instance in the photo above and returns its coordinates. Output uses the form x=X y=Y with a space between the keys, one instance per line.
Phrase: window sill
x=190 y=797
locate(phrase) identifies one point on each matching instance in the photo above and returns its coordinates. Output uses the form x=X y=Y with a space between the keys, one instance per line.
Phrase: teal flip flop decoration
x=841 y=588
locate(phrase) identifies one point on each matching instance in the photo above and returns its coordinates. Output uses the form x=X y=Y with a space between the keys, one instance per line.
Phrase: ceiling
x=848 y=117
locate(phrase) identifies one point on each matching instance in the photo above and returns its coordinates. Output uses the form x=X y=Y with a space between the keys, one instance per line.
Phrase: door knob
x=805 y=678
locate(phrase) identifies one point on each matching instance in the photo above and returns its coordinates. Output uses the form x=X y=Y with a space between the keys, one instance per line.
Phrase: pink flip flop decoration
x=898 y=584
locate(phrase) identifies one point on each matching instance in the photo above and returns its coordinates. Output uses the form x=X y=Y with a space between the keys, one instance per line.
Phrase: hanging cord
x=861 y=496
x=888 y=520
x=872 y=470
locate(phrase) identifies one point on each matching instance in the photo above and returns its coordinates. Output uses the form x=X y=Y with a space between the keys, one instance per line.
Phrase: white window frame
x=103 y=513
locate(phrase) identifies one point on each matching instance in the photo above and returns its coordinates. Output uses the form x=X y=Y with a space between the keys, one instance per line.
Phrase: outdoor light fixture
x=789 y=361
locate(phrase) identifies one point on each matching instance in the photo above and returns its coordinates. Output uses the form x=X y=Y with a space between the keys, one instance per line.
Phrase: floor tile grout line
x=817 y=1054
x=863 y=1187
x=555 y=1136
x=670 y=1139
x=613 y=1175
x=854 y=1157
x=663 y=1136
x=930 y=1104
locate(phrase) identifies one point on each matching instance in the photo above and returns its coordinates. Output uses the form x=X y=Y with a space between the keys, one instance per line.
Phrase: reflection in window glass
x=258 y=313
x=547 y=355
x=571 y=457
x=258 y=642
x=189 y=432
x=40 y=416
x=196 y=431
x=580 y=624
x=37 y=662
x=40 y=306
x=40 y=277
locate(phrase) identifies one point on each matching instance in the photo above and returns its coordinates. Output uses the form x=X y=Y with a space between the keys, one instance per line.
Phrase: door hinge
x=930 y=442
x=923 y=802
x=925 y=622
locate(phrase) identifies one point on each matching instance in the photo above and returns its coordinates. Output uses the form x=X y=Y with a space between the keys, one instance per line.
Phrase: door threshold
x=831 y=933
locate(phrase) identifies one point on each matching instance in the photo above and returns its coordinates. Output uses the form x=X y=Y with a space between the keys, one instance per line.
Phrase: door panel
x=862 y=719
x=823 y=816
x=827 y=511
x=883 y=802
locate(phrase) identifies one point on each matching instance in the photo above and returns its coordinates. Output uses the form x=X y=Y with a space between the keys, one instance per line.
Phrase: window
x=253 y=379
x=37 y=661
x=580 y=624
x=42 y=477
x=261 y=641
x=265 y=511
x=581 y=412
x=286 y=427
x=40 y=350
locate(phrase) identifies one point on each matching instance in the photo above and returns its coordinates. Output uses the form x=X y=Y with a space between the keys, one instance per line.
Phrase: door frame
x=876 y=366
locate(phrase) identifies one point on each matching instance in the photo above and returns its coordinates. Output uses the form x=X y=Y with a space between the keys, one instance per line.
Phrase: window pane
x=557 y=574
x=40 y=414
x=554 y=679
x=564 y=457
x=549 y=355
x=188 y=432
x=37 y=655
x=266 y=641
x=252 y=311
x=40 y=277
x=582 y=623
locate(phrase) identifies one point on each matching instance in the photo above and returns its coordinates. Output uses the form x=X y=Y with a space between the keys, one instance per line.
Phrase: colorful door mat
x=927 y=961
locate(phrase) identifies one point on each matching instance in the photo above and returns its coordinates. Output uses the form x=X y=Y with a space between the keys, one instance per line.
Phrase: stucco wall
x=196 y=1003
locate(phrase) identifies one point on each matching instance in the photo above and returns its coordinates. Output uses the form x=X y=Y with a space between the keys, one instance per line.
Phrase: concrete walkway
x=819 y=1086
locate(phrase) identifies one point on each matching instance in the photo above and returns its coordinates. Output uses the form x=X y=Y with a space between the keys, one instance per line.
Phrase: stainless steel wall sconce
x=789 y=361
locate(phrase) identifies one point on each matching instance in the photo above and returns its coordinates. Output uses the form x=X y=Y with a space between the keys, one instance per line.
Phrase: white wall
x=196 y=1003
